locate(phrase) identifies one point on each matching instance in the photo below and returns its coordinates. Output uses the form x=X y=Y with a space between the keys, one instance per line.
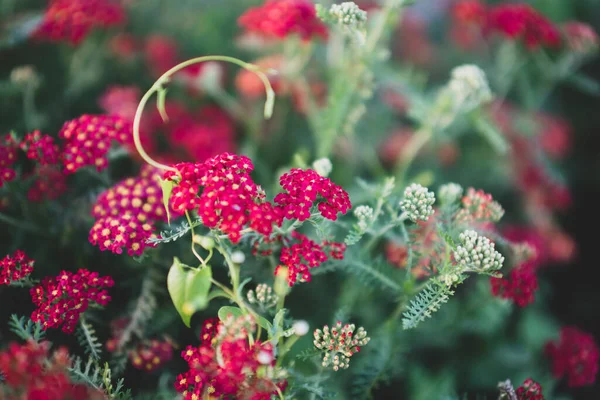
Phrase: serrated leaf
x=167 y=189
x=188 y=289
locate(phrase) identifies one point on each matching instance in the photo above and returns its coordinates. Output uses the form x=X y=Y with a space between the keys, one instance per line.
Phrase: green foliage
x=428 y=301
x=175 y=234
x=26 y=329
x=86 y=335
x=99 y=378
x=376 y=274
x=188 y=288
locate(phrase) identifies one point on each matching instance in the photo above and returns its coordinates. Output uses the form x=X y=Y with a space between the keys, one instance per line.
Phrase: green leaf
x=188 y=288
x=227 y=310
x=167 y=188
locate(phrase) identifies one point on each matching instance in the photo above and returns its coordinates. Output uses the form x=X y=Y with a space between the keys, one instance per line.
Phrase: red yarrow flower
x=303 y=187
x=229 y=367
x=575 y=356
x=89 y=138
x=300 y=257
x=520 y=286
x=32 y=373
x=49 y=184
x=8 y=156
x=151 y=355
x=120 y=101
x=530 y=390
x=122 y=232
x=73 y=20
x=40 y=148
x=15 y=267
x=281 y=18
x=229 y=200
x=523 y=22
x=62 y=299
x=470 y=12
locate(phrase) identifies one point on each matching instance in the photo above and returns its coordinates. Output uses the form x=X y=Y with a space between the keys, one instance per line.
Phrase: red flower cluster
x=303 y=187
x=479 y=206
x=300 y=257
x=62 y=299
x=31 y=372
x=151 y=355
x=513 y=21
x=210 y=328
x=123 y=231
x=520 y=286
x=88 y=140
x=530 y=390
x=49 y=184
x=576 y=355
x=282 y=18
x=73 y=20
x=40 y=148
x=8 y=156
x=120 y=101
x=161 y=53
x=229 y=200
x=229 y=367
x=521 y=21
x=15 y=267
x=208 y=134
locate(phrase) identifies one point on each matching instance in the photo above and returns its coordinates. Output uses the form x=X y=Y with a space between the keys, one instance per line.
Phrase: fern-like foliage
x=174 y=234
x=428 y=301
x=86 y=336
x=98 y=377
x=142 y=312
x=375 y=273
x=26 y=329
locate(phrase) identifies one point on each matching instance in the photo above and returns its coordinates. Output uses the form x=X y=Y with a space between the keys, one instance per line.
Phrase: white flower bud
x=418 y=202
x=348 y=13
x=300 y=327
x=238 y=257
x=323 y=167
x=477 y=253
x=450 y=193
x=469 y=87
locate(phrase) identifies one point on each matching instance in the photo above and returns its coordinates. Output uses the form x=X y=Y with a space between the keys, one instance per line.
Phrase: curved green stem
x=158 y=87
x=410 y=151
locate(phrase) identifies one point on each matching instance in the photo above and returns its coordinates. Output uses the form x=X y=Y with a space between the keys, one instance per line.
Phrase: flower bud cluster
x=263 y=296
x=339 y=344
x=480 y=206
x=364 y=214
x=418 y=202
x=348 y=14
x=151 y=355
x=477 y=253
x=468 y=87
x=450 y=193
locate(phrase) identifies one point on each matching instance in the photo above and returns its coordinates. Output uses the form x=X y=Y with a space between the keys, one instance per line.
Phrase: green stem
x=285 y=348
x=410 y=151
x=165 y=78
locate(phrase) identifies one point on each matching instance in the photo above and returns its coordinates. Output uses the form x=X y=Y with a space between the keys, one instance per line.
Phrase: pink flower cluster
x=229 y=200
x=15 y=267
x=303 y=187
x=305 y=254
x=229 y=367
x=62 y=299
x=49 y=184
x=575 y=356
x=530 y=390
x=32 y=373
x=479 y=206
x=8 y=156
x=40 y=148
x=580 y=37
x=73 y=20
x=281 y=18
x=89 y=138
